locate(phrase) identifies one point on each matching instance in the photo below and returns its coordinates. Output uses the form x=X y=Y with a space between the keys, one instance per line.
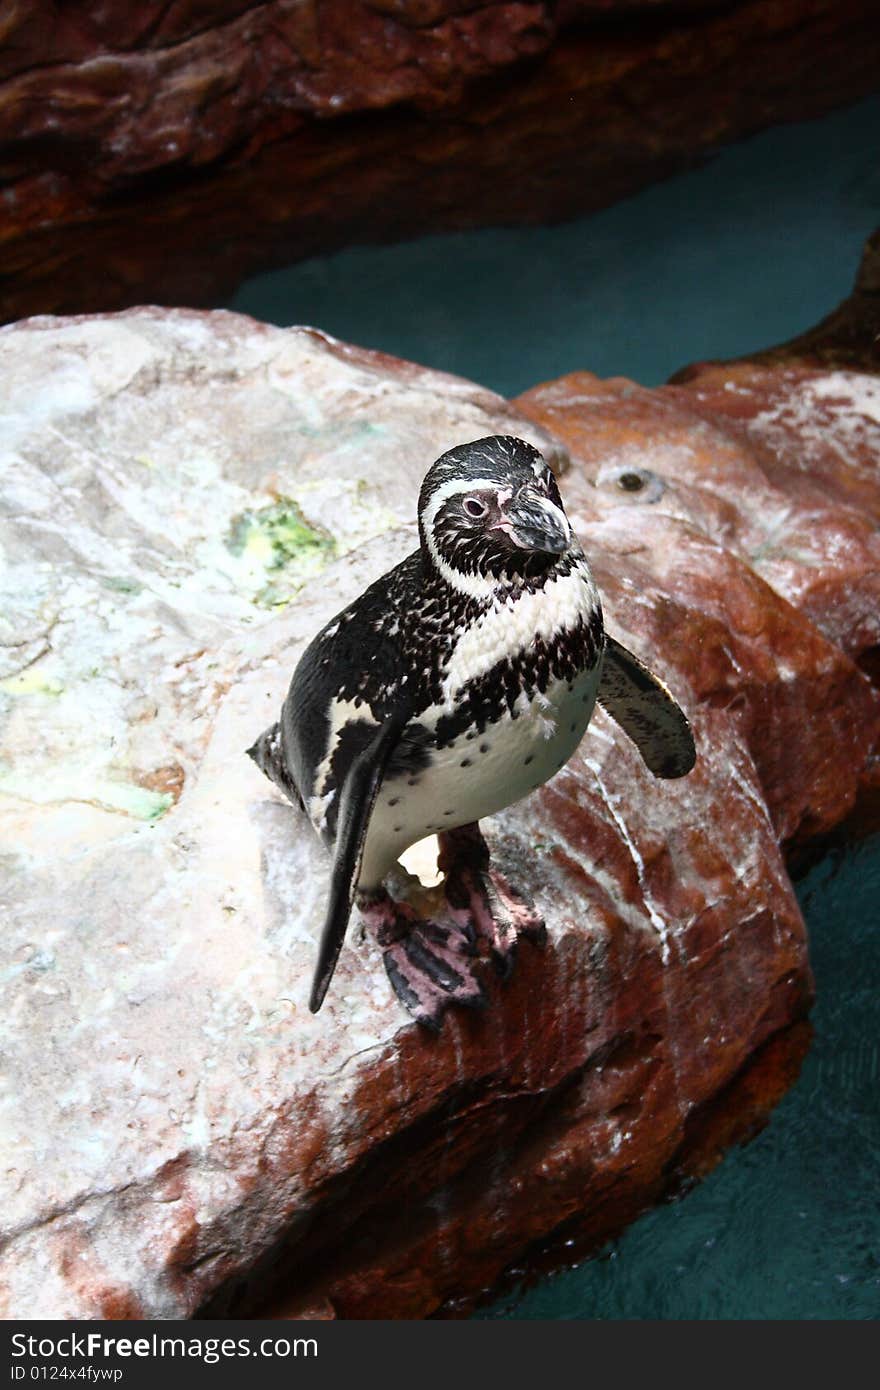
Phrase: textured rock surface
x=778 y=468
x=227 y=132
x=178 y=1132
x=777 y=465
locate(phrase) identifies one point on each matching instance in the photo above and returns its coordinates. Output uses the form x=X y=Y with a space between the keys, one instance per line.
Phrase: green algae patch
x=119 y=584
x=129 y=799
x=142 y=803
x=279 y=541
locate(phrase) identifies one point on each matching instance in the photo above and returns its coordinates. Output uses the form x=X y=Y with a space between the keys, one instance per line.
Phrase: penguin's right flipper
x=358 y=796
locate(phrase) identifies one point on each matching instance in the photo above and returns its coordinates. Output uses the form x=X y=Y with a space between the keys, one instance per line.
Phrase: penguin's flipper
x=645 y=709
x=356 y=802
x=268 y=754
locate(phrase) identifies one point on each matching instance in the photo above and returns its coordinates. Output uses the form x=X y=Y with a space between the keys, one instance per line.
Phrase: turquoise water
x=747 y=251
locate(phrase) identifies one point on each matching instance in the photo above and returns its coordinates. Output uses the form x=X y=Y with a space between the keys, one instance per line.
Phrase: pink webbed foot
x=481 y=896
x=431 y=965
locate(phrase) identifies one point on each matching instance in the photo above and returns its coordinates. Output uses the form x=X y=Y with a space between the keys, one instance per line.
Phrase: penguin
x=455 y=685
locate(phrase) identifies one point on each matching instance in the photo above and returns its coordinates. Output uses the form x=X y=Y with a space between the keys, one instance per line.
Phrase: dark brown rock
x=164 y=151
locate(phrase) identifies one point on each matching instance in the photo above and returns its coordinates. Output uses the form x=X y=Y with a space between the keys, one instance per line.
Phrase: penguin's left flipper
x=356 y=802
x=268 y=754
x=644 y=708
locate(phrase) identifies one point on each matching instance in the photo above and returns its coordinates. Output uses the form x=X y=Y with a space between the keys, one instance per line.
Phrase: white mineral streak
x=848 y=400
x=836 y=414
x=658 y=922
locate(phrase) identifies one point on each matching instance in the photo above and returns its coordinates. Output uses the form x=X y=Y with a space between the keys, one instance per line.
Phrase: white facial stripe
x=511 y=625
x=474 y=585
x=454 y=487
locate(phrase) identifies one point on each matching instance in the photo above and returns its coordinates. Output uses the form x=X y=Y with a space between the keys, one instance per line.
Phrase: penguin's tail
x=268 y=754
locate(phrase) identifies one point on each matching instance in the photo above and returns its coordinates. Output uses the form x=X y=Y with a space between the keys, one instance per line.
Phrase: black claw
x=504 y=961
x=536 y=934
x=473 y=1001
x=456 y=892
x=400 y=984
x=433 y=1022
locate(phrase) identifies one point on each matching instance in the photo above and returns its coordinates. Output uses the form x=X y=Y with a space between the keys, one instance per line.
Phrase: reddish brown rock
x=189 y=1138
x=162 y=152
x=778 y=466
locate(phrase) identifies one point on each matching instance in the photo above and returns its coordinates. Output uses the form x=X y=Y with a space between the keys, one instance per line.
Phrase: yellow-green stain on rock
x=32 y=682
x=74 y=784
x=279 y=539
x=121 y=585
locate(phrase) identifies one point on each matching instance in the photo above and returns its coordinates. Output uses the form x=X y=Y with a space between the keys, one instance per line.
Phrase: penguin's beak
x=535 y=523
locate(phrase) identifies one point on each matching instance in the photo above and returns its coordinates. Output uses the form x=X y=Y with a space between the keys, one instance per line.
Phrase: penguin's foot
x=482 y=897
x=431 y=965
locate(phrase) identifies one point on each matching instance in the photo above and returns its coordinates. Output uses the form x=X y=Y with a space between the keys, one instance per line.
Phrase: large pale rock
x=186 y=498
x=168 y=479
x=162 y=151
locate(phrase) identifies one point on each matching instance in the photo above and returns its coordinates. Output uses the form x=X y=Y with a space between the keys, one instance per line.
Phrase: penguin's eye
x=474 y=507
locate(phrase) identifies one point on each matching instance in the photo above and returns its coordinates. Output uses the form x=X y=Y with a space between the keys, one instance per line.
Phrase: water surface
x=747 y=251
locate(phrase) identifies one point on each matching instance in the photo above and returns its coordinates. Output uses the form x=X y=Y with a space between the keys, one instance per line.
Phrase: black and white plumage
x=452 y=687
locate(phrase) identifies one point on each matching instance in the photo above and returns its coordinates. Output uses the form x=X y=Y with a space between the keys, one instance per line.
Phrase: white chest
x=480 y=774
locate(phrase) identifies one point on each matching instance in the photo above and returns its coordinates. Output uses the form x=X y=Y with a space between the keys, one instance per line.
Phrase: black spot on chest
x=412 y=754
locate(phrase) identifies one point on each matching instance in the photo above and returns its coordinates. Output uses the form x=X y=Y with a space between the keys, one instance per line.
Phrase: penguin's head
x=490 y=513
